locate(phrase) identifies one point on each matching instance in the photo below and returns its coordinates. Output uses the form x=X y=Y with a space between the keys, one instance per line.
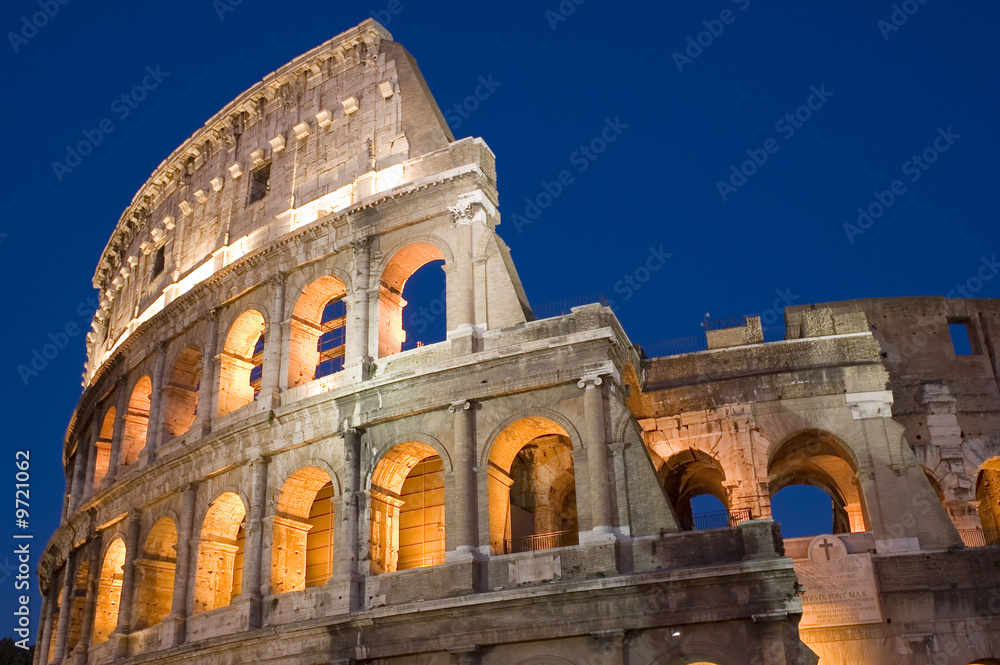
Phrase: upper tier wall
x=329 y=129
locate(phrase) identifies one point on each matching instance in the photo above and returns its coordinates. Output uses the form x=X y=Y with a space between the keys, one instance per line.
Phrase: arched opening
x=816 y=460
x=78 y=605
x=988 y=493
x=136 y=422
x=241 y=362
x=180 y=406
x=55 y=624
x=407 y=509
x=407 y=261
x=694 y=484
x=218 y=579
x=317 y=333
x=102 y=459
x=155 y=575
x=304 y=527
x=109 y=591
x=425 y=316
x=532 y=488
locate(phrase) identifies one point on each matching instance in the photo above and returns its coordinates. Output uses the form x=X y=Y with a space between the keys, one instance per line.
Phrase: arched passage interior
x=241 y=362
x=532 y=488
x=407 y=518
x=816 y=460
x=180 y=406
x=318 y=331
x=304 y=529
x=403 y=265
x=155 y=570
x=219 y=570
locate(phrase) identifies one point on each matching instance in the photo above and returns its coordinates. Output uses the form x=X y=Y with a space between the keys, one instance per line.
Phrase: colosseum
x=258 y=471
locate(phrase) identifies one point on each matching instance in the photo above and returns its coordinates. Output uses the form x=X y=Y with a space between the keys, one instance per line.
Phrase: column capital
x=590 y=381
x=122 y=381
x=189 y=487
x=461 y=405
x=161 y=346
x=134 y=514
x=361 y=243
x=278 y=278
x=211 y=314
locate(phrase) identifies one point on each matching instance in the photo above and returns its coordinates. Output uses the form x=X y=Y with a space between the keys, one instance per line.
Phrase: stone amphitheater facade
x=256 y=470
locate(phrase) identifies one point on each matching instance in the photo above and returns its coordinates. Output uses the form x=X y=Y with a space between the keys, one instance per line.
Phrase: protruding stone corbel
x=324 y=118
x=217 y=184
x=200 y=196
x=301 y=130
x=168 y=221
x=236 y=170
x=277 y=143
x=385 y=88
x=351 y=105
x=258 y=158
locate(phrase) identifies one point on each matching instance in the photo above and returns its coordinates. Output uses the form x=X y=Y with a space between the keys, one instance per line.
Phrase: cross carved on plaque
x=826 y=545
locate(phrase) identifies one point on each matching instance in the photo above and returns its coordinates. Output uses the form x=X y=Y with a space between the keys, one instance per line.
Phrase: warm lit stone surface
x=518 y=493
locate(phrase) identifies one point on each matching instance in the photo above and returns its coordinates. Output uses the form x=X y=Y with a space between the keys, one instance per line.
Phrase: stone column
x=206 y=392
x=45 y=630
x=254 y=558
x=79 y=474
x=595 y=441
x=79 y=655
x=347 y=565
x=127 y=598
x=270 y=392
x=95 y=434
x=771 y=629
x=465 y=292
x=182 y=571
x=464 y=501
x=148 y=454
x=66 y=607
x=357 y=336
x=121 y=408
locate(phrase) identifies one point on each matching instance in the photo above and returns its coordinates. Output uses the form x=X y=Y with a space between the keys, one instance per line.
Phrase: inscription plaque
x=839 y=587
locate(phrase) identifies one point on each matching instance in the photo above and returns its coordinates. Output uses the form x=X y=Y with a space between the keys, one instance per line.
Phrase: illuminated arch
x=407 y=515
x=136 y=421
x=109 y=591
x=817 y=458
x=688 y=474
x=155 y=571
x=102 y=458
x=241 y=362
x=309 y=328
x=304 y=529
x=402 y=263
x=218 y=579
x=532 y=488
x=180 y=394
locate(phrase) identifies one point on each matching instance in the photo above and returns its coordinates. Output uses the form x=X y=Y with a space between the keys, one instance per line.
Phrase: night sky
x=739 y=137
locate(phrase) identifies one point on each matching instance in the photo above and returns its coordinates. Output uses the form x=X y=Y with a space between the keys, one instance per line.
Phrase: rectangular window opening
x=158 y=261
x=260 y=184
x=961 y=338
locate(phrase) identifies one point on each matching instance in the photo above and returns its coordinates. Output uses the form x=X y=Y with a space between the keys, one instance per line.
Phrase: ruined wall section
x=949 y=403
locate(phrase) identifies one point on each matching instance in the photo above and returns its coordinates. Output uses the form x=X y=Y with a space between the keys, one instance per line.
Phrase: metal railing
x=680 y=345
x=719 y=520
x=562 y=307
x=541 y=541
x=980 y=537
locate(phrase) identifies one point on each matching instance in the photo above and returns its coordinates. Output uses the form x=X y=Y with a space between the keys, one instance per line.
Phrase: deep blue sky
x=655 y=186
